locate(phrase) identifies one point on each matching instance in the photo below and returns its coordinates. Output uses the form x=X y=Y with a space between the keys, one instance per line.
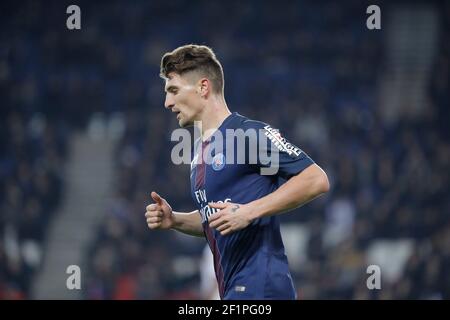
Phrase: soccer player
x=237 y=205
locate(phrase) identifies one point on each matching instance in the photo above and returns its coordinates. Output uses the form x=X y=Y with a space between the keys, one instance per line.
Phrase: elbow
x=315 y=181
x=322 y=184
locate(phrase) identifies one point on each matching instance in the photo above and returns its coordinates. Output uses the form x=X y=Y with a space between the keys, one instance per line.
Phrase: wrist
x=254 y=210
x=259 y=208
x=175 y=221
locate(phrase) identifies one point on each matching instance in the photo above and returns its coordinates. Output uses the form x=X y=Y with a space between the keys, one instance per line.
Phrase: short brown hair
x=193 y=57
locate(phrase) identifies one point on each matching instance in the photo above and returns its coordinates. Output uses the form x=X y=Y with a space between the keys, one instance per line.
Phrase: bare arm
x=160 y=216
x=298 y=190
x=189 y=223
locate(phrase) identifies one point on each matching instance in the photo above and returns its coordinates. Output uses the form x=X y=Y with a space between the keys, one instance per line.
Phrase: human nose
x=169 y=102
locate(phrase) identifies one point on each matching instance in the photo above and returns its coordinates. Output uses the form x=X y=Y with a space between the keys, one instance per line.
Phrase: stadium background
x=84 y=138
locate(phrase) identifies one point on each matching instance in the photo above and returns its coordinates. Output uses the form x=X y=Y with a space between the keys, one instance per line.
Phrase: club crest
x=218 y=162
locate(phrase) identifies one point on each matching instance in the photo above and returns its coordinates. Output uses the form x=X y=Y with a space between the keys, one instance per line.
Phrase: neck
x=215 y=113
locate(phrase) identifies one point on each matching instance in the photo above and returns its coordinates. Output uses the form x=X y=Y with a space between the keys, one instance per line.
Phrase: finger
x=153 y=207
x=149 y=214
x=156 y=197
x=226 y=231
x=154 y=225
x=215 y=216
x=218 y=205
x=217 y=223
x=153 y=220
x=223 y=227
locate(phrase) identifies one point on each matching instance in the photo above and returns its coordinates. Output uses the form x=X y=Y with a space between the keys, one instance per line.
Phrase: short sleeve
x=275 y=155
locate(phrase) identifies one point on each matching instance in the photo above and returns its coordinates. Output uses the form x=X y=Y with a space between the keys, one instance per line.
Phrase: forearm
x=188 y=223
x=297 y=191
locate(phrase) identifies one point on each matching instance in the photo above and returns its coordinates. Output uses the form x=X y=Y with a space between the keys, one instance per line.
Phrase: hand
x=159 y=214
x=232 y=217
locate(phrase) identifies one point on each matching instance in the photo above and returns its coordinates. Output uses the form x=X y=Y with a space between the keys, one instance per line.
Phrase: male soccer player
x=237 y=204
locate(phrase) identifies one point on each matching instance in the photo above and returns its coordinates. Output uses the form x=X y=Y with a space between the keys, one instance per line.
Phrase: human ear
x=204 y=87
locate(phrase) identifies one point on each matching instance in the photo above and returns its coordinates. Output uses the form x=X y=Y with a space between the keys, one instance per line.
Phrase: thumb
x=157 y=198
x=217 y=205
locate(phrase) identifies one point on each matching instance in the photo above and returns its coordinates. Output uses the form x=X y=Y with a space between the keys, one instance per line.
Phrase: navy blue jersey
x=250 y=263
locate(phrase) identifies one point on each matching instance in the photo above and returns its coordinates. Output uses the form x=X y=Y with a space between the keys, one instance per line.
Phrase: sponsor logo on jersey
x=239 y=288
x=206 y=211
x=281 y=143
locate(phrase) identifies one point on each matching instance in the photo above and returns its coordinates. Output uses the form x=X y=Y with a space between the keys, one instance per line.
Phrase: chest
x=216 y=176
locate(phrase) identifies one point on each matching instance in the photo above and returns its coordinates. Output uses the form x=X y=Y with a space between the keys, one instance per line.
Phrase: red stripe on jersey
x=201 y=167
x=217 y=257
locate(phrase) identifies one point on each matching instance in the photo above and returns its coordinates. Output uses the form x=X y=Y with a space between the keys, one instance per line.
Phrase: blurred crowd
x=32 y=155
x=312 y=70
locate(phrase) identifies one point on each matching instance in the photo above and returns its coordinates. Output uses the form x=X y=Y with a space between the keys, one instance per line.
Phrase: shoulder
x=247 y=123
x=251 y=127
